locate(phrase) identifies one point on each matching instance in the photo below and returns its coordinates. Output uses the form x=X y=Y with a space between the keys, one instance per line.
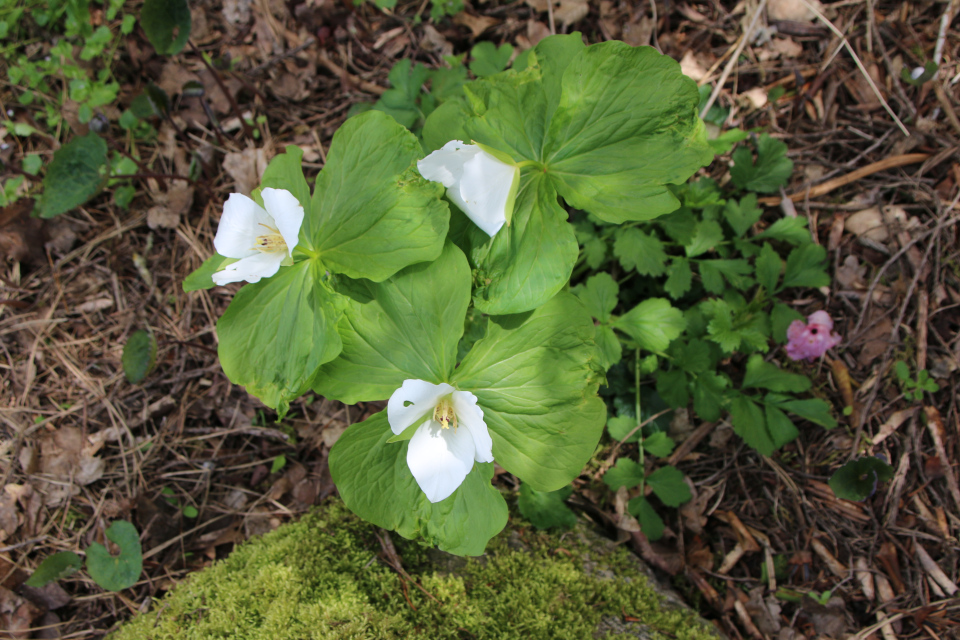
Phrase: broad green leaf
x=768 y=268
x=489 y=59
x=535 y=377
x=780 y=318
x=771 y=170
x=167 y=24
x=743 y=214
x=672 y=387
x=679 y=225
x=749 y=423
x=658 y=444
x=599 y=295
x=77 y=173
x=285 y=171
x=626 y=473
x=667 y=482
x=53 y=568
x=706 y=236
x=546 y=509
x=813 y=409
x=806 y=267
x=528 y=262
x=372 y=214
x=139 y=355
x=619 y=427
x=857 y=479
x=202 y=276
x=116 y=573
x=444 y=124
x=725 y=141
x=766 y=375
x=780 y=427
x=679 y=278
x=409 y=328
x=609 y=345
x=650 y=522
x=736 y=272
x=792 y=230
x=625 y=127
x=375 y=483
x=693 y=356
x=653 y=324
x=638 y=250
x=708 y=395
x=276 y=333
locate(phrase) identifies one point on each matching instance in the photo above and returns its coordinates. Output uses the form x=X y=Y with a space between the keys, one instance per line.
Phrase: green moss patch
x=321 y=577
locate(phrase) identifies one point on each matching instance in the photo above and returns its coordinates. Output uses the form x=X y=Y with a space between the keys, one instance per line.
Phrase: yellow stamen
x=270 y=242
x=444 y=414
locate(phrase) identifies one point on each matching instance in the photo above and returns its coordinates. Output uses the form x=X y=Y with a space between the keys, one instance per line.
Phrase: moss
x=320 y=577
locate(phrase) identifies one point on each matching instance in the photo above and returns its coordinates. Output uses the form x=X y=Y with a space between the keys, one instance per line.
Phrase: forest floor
x=197 y=465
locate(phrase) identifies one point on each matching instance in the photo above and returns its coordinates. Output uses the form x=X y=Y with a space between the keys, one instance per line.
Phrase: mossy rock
x=322 y=577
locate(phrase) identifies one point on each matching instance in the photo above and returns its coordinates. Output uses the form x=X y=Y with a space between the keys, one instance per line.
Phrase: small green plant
x=914 y=388
x=170 y=496
x=112 y=572
x=857 y=480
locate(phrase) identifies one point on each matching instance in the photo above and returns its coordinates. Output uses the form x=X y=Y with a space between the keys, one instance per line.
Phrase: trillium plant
x=433 y=274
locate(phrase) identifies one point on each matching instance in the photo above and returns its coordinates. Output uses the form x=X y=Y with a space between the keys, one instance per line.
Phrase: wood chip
x=934 y=570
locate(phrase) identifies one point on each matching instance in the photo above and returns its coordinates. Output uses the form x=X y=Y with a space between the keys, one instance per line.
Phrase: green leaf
x=278 y=463
x=167 y=24
x=594 y=248
x=736 y=272
x=720 y=327
x=768 y=268
x=599 y=295
x=375 y=483
x=489 y=59
x=116 y=573
x=771 y=170
x=536 y=376
x=857 y=479
x=653 y=323
x=77 y=173
x=528 y=262
x=672 y=387
x=902 y=370
x=815 y=410
x=709 y=395
x=679 y=225
x=277 y=332
x=409 y=328
x=139 y=355
x=706 y=236
x=650 y=522
x=626 y=473
x=401 y=101
x=742 y=215
x=619 y=427
x=780 y=427
x=190 y=511
x=928 y=72
x=637 y=250
x=53 y=568
x=792 y=230
x=371 y=213
x=693 y=356
x=749 y=423
x=766 y=375
x=806 y=267
x=725 y=141
x=658 y=444
x=780 y=318
x=667 y=482
x=679 y=278
x=202 y=276
x=285 y=172
x=546 y=509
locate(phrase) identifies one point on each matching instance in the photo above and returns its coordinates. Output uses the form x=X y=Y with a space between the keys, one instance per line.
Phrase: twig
x=247 y=129
x=945 y=21
x=339 y=71
x=553 y=27
x=734 y=58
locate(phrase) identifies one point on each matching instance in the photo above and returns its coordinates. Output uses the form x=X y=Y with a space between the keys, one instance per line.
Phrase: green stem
x=639 y=421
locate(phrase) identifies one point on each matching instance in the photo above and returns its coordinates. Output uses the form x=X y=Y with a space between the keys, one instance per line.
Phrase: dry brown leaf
x=236 y=12
x=765 y=612
x=568 y=12
x=246 y=168
x=21 y=235
x=174 y=75
x=9 y=517
x=756 y=96
x=332 y=433
x=637 y=32
x=851 y=274
x=792 y=10
x=477 y=24
x=691 y=67
x=434 y=41
x=868 y=223
x=16 y=614
x=874 y=341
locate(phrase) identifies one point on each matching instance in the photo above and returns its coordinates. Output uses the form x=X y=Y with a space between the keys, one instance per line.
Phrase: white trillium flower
x=482 y=185
x=444 y=447
x=261 y=238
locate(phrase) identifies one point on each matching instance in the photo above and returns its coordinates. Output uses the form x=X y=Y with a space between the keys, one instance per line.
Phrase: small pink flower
x=811 y=340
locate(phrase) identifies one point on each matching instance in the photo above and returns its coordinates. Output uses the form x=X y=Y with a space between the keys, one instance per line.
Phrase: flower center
x=444 y=414
x=270 y=242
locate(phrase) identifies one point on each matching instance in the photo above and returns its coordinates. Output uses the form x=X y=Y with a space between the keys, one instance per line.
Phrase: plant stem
x=640 y=442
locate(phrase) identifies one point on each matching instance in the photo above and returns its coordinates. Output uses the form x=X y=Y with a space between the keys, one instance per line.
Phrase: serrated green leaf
x=116 y=573
x=806 y=267
x=167 y=24
x=672 y=387
x=708 y=395
x=725 y=141
x=766 y=375
x=780 y=318
x=679 y=278
x=599 y=295
x=692 y=356
x=792 y=230
x=489 y=59
x=650 y=522
x=667 y=483
x=658 y=444
x=139 y=355
x=638 y=250
x=707 y=235
x=679 y=225
x=653 y=323
x=780 y=427
x=77 y=173
x=720 y=326
x=749 y=423
x=768 y=268
x=857 y=479
x=815 y=410
x=626 y=473
x=736 y=272
x=620 y=426
x=546 y=509
x=53 y=568
x=743 y=214
x=771 y=170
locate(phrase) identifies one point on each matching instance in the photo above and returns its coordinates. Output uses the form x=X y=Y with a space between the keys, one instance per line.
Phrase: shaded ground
x=193 y=461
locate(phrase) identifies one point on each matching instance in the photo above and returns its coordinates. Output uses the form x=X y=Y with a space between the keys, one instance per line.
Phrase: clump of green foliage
x=320 y=578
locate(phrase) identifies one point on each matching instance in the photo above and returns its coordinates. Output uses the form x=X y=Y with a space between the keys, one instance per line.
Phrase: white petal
x=413 y=400
x=446 y=165
x=470 y=416
x=239 y=226
x=440 y=459
x=287 y=212
x=251 y=268
x=485 y=190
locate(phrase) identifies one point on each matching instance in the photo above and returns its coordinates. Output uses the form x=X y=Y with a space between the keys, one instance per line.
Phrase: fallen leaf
x=851 y=274
x=874 y=341
x=765 y=612
x=477 y=24
x=691 y=67
x=792 y=10
x=21 y=236
x=174 y=75
x=757 y=97
x=868 y=223
x=9 y=518
x=160 y=217
x=637 y=32
x=50 y=597
x=246 y=168
x=569 y=12
x=434 y=41
x=332 y=433
x=236 y=12
x=16 y=614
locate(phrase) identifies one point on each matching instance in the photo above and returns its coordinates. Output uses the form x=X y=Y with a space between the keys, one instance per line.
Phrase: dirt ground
x=198 y=465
